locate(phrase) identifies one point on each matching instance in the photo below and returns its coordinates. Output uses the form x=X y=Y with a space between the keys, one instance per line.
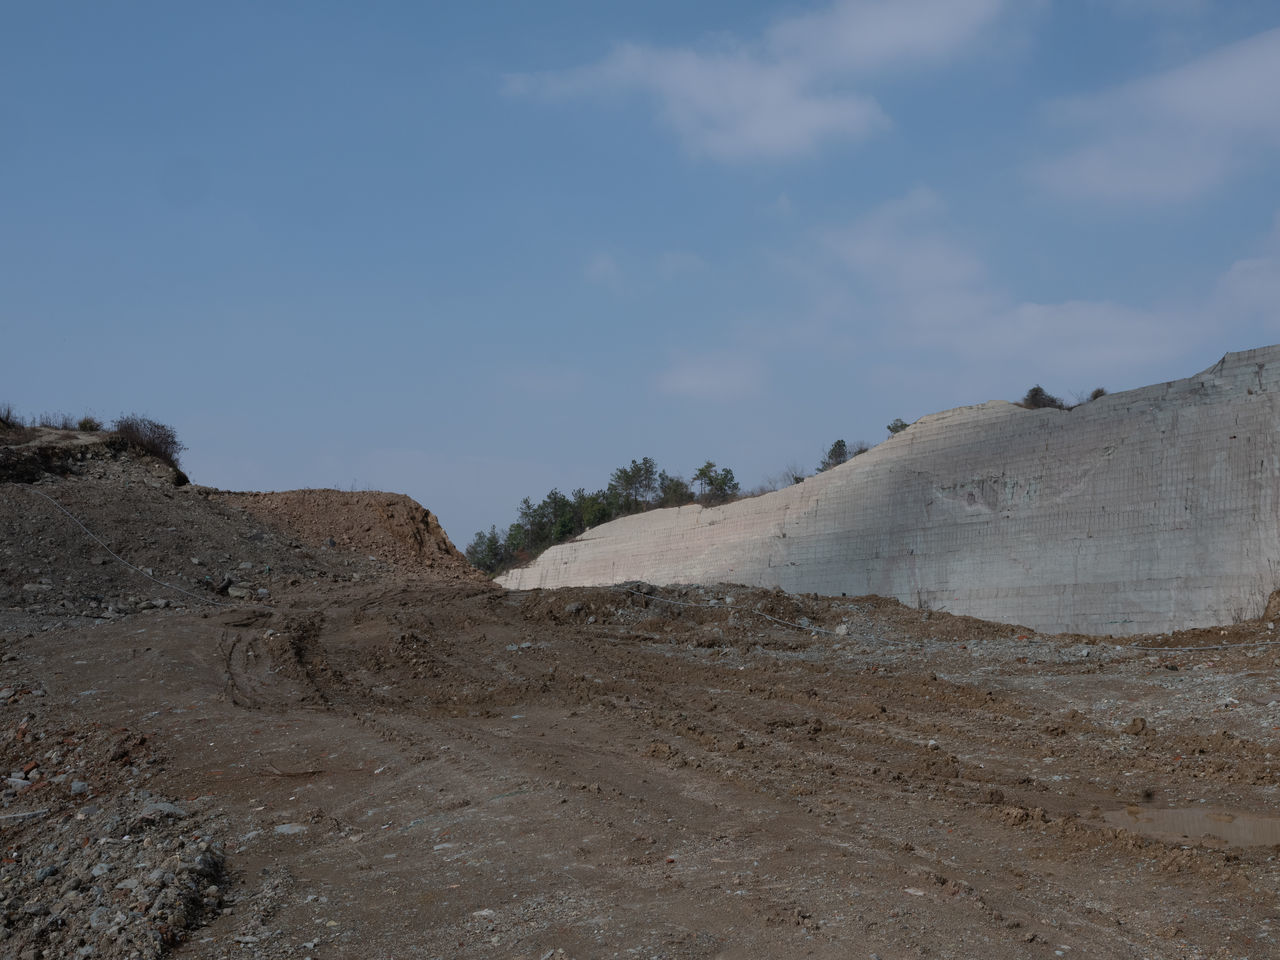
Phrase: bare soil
x=361 y=748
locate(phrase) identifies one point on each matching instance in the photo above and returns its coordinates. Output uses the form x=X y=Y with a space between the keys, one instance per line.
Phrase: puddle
x=1232 y=829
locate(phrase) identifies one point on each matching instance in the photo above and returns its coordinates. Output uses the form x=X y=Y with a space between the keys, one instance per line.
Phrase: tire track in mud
x=268 y=669
x=858 y=730
x=930 y=779
x=962 y=714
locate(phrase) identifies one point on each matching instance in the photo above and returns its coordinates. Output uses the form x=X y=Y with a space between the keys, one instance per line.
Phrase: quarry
x=1144 y=511
x=1003 y=686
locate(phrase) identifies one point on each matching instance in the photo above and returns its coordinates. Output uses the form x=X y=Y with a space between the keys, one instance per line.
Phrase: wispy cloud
x=934 y=294
x=677 y=263
x=1250 y=288
x=787 y=92
x=903 y=255
x=1159 y=8
x=1174 y=135
x=873 y=35
x=601 y=268
x=727 y=106
x=719 y=376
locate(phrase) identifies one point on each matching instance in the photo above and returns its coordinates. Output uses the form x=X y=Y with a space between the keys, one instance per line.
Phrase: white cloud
x=931 y=293
x=1174 y=135
x=1108 y=341
x=868 y=35
x=903 y=255
x=1250 y=288
x=725 y=106
x=788 y=93
x=1159 y=8
x=716 y=376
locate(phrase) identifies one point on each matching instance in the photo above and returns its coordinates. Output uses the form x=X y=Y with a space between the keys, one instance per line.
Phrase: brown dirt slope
x=91 y=528
x=390 y=526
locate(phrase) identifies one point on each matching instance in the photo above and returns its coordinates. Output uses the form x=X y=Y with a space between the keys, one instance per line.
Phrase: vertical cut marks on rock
x=1142 y=511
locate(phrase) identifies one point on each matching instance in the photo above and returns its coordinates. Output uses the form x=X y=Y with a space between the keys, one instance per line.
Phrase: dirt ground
x=329 y=738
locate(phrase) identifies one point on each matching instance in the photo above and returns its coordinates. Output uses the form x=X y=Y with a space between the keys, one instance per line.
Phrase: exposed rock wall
x=1143 y=511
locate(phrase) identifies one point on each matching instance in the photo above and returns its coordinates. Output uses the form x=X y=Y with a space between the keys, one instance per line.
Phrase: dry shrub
x=147 y=435
x=56 y=421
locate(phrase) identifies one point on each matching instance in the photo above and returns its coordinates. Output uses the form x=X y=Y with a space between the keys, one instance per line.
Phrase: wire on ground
x=832 y=633
x=121 y=559
x=757 y=613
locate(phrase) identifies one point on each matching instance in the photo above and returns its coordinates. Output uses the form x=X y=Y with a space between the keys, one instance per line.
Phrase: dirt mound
x=91 y=527
x=389 y=526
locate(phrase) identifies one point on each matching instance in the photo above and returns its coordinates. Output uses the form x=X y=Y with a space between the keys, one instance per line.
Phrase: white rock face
x=1144 y=511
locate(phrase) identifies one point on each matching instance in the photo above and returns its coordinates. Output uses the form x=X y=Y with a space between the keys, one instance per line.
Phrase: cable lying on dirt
x=1215 y=646
x=121 y=559
x=757 y=613
x=832 y=633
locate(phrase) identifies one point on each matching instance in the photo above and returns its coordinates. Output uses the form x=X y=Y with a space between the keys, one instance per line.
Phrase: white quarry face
x=1143 y=511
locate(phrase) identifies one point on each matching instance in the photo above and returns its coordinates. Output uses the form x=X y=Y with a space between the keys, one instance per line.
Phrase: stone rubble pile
x=91 y=863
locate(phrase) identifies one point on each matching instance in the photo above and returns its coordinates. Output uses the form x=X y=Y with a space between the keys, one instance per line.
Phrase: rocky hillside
x=91 y=528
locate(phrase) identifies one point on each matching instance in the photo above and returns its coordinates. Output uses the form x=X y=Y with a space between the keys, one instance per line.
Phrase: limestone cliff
x=1142 y=511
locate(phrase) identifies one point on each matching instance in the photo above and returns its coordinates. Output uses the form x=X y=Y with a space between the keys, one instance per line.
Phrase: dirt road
x=377 y=759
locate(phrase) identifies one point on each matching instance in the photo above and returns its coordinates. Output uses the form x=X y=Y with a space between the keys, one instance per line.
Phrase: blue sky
x=470 y=252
